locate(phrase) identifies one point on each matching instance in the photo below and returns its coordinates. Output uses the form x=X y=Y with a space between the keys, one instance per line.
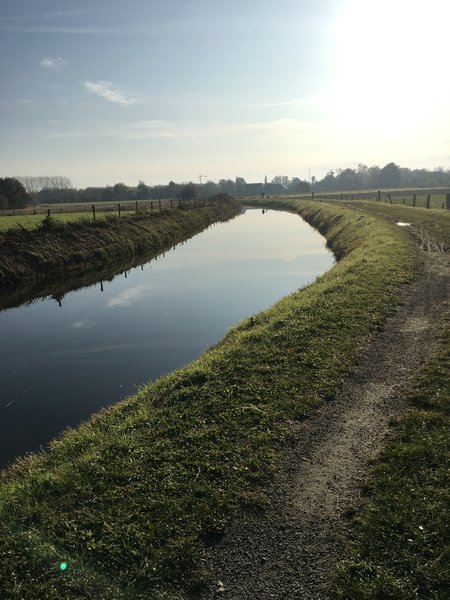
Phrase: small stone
x=220 y=588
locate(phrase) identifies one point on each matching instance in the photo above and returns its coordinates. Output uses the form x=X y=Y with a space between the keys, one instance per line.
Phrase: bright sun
x=391 y=66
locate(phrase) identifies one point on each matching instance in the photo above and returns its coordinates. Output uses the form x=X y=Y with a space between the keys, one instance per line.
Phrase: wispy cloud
x=129 y=297
x=55 y=14
x=86 y=323
x=55 y=64
x=106 y=90
x=172 y=130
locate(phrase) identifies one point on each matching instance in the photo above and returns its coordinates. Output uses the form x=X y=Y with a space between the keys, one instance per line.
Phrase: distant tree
x=281 y=180
x=239 y=186
x=121 y=191
x=297 y=186
x=34 y=184
x=3 y=201
x=14 y=192
x=208 y=189
x=373 y=177
x=327 y=183
x=188 y=191
x=227 y=186
x=389 y=176
x=348 y=179
x=142 y=191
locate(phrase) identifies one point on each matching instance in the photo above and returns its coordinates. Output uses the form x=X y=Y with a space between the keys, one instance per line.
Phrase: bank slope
x=82 y=246
x=130 y=499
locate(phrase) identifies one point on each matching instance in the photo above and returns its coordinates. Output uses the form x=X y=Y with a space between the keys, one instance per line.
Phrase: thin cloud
x=57 y=64
x=86 y=323
x=168 y=130
x=129 y=297
x=55 y=14
x=66 y=30
x=106 y=90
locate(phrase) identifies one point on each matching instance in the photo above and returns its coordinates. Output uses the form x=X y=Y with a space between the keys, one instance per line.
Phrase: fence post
x=428 y=201
x=390 y=199
x=48 y=212
x=414 y=200
x=136 y=209
x=448 y=202
x=119 y=209
x=93 y=211
x=171 y=203
x=159 y=202
x=378 y=196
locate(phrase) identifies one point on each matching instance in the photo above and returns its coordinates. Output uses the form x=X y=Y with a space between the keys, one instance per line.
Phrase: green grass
x=130 y=498
x=33 y=221
x=403 y=547
x=435 y=222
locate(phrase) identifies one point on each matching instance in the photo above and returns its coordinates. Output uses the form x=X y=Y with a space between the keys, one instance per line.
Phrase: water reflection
x=64 y=357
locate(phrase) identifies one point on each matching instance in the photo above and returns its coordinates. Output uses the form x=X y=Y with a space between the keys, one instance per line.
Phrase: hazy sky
x=103 y=91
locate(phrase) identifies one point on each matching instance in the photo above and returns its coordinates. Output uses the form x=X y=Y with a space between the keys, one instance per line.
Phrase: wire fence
x=437 y=199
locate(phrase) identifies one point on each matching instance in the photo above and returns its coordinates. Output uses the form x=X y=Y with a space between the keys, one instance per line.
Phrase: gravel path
x=290 y=550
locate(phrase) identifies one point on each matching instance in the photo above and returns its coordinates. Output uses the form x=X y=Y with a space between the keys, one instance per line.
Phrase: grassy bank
x=57 y=248
x=402 y=551
x=130 y=499
x=34 y=221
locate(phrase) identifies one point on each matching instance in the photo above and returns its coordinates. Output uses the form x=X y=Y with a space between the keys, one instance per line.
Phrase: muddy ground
x=290 y=550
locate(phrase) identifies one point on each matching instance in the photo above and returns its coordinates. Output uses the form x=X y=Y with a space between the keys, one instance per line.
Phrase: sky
x=108 y=91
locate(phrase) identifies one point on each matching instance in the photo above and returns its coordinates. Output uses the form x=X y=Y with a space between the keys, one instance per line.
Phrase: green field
x=32 y=221
x=129 y=498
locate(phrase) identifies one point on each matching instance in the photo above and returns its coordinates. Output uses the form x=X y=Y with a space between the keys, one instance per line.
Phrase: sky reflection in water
x=59 y=364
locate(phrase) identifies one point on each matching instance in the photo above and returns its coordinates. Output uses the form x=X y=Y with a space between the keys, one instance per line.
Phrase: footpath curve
x=291 y=549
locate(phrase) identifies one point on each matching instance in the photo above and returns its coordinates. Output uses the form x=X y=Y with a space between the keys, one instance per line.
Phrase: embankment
x=132 y=499
x=61 y=249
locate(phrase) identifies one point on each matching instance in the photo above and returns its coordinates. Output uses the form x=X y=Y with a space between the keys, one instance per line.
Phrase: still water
x=61 y=363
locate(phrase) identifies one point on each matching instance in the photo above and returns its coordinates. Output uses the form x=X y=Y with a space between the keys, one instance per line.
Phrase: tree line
x=391 y=176
x=20 y=191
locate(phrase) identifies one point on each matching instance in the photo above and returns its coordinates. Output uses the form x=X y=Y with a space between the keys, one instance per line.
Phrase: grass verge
x=130 y=499
x=57 y=248
x=402 y=551
x=35 y=221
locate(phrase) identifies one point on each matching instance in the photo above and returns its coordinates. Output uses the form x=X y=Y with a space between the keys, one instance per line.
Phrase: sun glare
x=390 y=66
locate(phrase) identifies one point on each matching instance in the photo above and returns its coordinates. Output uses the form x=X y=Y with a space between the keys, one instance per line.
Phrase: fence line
x=119 y=209
x=414 y=199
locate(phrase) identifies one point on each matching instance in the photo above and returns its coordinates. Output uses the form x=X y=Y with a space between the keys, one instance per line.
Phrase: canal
x=62 y=360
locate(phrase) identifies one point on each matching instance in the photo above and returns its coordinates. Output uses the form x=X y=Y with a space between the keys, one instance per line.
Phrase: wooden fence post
x=171 y=203
x=93 y=211
x=448 y=201
x=136 y=208
x=414 y=200
x=378 y=196
x=119 y=209
x=159 y=202
x=390 y=199
x=428 y=201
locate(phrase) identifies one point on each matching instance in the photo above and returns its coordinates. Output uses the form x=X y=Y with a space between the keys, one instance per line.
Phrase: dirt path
x=290 y=550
